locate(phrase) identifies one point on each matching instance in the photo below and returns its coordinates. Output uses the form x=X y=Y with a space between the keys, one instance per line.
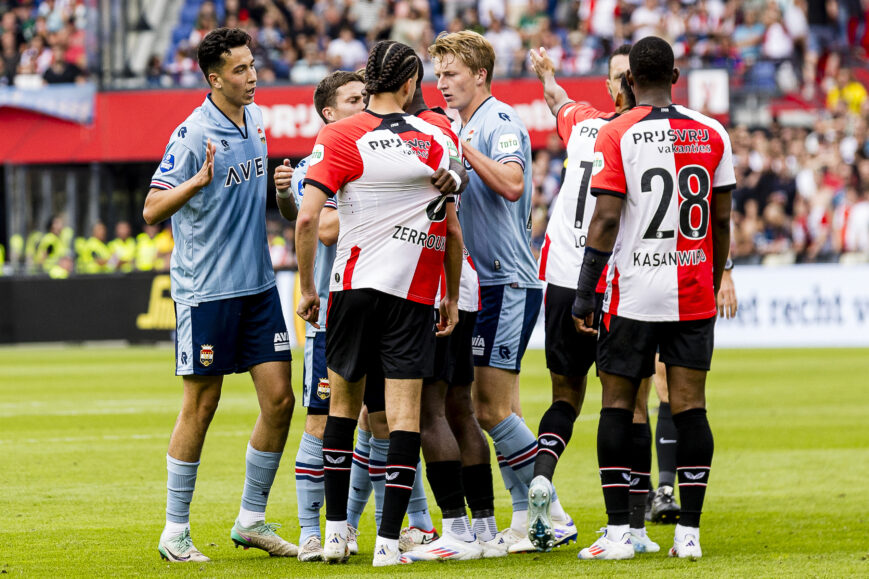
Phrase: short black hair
x=217 y=43
x=652 y=62
x=390 y=64
x=327 y=90
x=623 y=50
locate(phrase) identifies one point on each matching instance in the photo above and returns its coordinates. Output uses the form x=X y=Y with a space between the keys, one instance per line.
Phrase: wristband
x=284 y=195
x=593 y=263
x=456 y=178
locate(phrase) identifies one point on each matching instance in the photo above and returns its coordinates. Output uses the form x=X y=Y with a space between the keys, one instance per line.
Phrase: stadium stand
x=804 y=180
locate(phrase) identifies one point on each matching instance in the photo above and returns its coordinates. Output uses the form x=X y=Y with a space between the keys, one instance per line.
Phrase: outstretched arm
x=556 y=97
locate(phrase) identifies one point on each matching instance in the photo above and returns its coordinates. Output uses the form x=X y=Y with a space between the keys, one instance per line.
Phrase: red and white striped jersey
x=469 y=288
x=564 y=243
x=667 y=163
x=392 y=220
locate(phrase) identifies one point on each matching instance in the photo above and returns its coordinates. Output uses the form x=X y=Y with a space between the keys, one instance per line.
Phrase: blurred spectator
x=347 y=52
x=508 y=47
x=847 y=92
x=61 y=70
x=311 y=68
x=155 y=76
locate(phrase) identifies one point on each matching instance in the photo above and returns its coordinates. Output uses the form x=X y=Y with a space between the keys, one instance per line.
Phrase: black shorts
x=364 y=324
x=568 y=352
x=454 y=360
x=316 y=391
x=627 y=347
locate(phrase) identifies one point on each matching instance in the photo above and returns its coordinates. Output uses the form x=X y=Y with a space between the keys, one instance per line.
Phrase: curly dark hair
x=390 y=64
x=652 y=62
x=217 y=43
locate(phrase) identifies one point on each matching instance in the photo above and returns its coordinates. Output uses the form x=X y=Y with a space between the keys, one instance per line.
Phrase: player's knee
x=279 y=408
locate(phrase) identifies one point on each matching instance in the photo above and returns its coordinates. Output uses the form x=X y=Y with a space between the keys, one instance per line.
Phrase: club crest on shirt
x=323 y=389
x=261 y=133
x=206 y=355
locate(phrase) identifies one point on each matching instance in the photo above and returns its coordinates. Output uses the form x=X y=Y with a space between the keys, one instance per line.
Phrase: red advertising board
x=136 y=125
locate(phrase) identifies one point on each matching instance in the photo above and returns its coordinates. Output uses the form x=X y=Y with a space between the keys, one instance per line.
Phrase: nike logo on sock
x=663 y=440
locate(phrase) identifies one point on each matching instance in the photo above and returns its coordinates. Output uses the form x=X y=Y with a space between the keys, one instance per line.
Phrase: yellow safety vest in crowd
x=2 y=258
x=92 y=250
x=146 y=252
x=49 y=251
x=30 y=248
x=123 y=253
x=165 y=244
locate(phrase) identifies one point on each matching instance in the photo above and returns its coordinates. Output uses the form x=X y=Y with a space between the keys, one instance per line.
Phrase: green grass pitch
x=84 y=434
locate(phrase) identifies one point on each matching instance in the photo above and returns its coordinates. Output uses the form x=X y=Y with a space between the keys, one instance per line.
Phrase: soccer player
x=212 y=182
x=663 y=176
x=496 y=223
x=662 y=506
x=337 y=96
x=454 y=368
x=393 y=242
x=569 y=354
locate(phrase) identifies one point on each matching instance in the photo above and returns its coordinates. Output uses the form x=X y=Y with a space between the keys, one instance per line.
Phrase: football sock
x=518 y=447
x=518 y=491
x=616 y=532
x=665 y=445
x=173 y=529
x=693 y=459
x=360 y=480
x=458 y=527
x=337 y=457
x=477 y=484
x=555 y=509
x=613 y=458
x=260 y=470
x=445 y=480
x=556 y=428
x=641 y=465
x=377 y=472
x=179 y=487
x=417 y=508
x=401 y=464
x=384 y=542
x=310 y=491
x=519 y=521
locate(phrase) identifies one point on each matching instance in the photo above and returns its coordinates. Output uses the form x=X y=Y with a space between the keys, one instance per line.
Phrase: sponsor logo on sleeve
x=168 y=163
x=508 y=143
x=598 y=164
x=317 y=154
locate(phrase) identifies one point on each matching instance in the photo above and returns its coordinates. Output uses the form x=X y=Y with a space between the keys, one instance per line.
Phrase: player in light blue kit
x=212 y=182
x=496 y=222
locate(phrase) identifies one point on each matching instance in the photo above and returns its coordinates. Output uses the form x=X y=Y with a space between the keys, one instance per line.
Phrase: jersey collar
x=213 y=106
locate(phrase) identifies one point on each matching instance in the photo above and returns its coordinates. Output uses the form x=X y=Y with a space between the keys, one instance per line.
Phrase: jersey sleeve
x=334 y=162
x=572 y=113
x=177 y=166
x=439 y=119
x=507 y=139
x=724 y=179
x=608 y=172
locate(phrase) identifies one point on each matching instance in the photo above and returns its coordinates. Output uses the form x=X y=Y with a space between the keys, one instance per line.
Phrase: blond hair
x=471 y=48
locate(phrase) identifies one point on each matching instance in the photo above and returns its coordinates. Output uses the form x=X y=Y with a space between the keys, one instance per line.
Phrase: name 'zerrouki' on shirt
x=567 y=231
x=668 y=163
x=497 y=232
x=325 y=255
x=392 y=220
x=221 y=247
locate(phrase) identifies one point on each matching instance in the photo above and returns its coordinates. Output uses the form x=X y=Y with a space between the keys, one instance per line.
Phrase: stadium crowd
x=804 y=190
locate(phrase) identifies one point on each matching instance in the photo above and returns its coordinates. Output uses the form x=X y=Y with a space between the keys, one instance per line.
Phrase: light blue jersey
x=325 y=256
x=497 y=232
x=221 y=249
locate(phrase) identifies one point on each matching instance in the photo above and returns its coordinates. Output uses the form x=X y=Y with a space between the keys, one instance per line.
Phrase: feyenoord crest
x=262 y=135
x=206 y=355
x=323 y=389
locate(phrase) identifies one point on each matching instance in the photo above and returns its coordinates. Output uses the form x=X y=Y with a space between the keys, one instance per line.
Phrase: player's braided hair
x=390 y=64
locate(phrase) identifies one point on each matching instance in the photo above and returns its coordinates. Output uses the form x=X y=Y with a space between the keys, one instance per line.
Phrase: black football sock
x=693 y=459
x=337 y=459
x=445 y=480
x=614 y=460
x=641 y=466
x=477 y=482
x=665 y=445
x=556 y=428
x=401 y=461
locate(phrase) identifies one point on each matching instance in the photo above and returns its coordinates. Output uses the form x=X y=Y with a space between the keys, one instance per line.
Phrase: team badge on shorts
x=206 y=355
x=323 y=389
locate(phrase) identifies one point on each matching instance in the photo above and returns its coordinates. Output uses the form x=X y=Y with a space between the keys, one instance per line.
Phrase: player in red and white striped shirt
x=663 y=176
x=386 y=169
